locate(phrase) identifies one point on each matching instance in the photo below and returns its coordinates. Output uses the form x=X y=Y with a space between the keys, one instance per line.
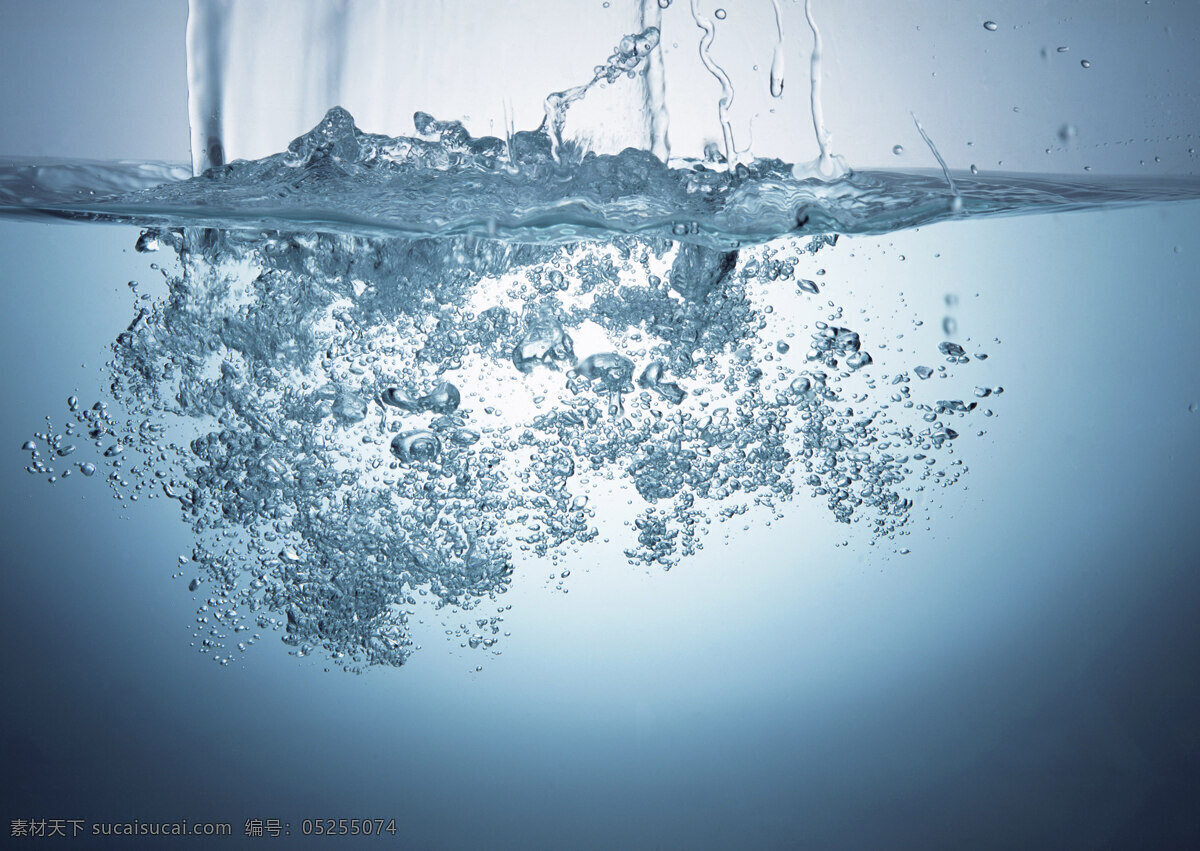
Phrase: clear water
x=392 y=384
x=392 y=368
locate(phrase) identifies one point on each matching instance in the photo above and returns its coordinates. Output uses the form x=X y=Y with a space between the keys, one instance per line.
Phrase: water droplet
x=147 y=242
x=897 y=149
x=990 y=26
x=1085 y=63
x=1063 y=49
x=417 y=445
x=443 y=400
x=777 y=72
x=719 y=14
x=397 y=398
x=194 y=584
x=923 y=372
x=858 y=360
x=808 y=286
x=87 y=468
x=782 y=347
x=29 y=446
x=664 y=4
x=464 y=436
x=974 y=169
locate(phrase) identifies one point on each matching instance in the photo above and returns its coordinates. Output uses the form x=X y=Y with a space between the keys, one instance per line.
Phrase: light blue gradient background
x=1025 y=678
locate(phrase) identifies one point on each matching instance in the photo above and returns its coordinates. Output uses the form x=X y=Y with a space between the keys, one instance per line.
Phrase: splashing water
x=389 y=369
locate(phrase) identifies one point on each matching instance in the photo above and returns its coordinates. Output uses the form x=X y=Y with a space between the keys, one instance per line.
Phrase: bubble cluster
x=360 y=428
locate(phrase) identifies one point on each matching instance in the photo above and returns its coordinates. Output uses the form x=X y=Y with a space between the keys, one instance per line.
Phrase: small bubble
x=1085 y=63
x=974 y=169
x=990 y=26
x=1063 y=49
x=663 y=4
x=897 y=149
x=1067 y=132
x=720 y=14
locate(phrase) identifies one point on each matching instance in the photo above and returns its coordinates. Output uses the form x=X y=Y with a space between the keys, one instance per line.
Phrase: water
x=429 y=391
x=300 y=394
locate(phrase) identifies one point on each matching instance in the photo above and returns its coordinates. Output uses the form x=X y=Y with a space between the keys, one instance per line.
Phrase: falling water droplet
x=777 y=72
x=990 y=26
x=1085 y=63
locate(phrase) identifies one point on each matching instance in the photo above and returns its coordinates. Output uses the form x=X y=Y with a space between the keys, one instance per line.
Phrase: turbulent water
x=389 y=369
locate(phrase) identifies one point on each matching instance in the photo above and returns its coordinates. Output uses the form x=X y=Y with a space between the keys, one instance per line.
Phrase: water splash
x=776 y=80
x=957 y=201
x=391 y=370
x=726 y=100
x=353 y=424
x=656 y=84
x=627 y=58
x=827 y=163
